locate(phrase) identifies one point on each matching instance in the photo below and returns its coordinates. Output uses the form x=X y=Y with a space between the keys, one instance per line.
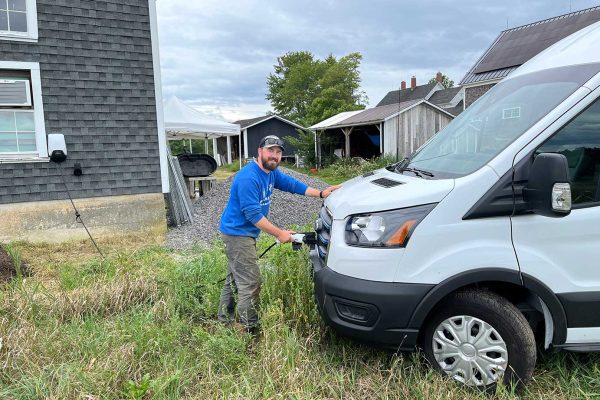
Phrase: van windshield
x=495 y=120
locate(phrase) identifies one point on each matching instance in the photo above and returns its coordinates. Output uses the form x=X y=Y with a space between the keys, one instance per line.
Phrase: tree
x=308 y=90
x=446 y=82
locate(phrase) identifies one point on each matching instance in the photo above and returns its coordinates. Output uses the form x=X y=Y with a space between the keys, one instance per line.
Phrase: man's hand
x=330 y=189
x=312 y=192
x=285 y=236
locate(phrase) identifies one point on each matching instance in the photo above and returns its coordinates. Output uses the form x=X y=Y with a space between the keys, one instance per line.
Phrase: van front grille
x=324 y=234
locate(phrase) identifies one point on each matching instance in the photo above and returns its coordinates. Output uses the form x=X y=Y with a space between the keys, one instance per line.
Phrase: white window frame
x=38 y=112
x=32 y=27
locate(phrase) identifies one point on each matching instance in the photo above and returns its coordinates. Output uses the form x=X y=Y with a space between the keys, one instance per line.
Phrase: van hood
x=385 y=190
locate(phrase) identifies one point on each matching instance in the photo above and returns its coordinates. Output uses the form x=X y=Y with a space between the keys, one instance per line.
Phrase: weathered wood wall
x=417 y=125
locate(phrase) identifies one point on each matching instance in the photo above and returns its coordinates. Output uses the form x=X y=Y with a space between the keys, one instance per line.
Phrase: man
x=243 y=218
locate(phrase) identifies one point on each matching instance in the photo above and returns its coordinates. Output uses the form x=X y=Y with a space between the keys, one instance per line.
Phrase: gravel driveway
x=286 y=210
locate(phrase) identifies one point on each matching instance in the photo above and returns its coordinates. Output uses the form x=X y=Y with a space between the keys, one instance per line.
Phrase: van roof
x=581 y=47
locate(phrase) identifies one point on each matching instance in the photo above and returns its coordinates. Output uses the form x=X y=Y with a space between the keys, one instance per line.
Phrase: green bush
x=348 y=168
x=304 y=145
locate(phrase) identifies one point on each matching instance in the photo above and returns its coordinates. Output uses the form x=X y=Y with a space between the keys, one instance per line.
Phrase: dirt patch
x=7 y=267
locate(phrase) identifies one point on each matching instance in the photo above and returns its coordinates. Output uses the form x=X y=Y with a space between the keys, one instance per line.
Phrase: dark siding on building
x=272 y=126
x=98 y=90
x=473 y=93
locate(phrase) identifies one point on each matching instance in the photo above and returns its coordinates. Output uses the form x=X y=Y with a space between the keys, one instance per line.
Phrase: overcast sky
x=216 y=55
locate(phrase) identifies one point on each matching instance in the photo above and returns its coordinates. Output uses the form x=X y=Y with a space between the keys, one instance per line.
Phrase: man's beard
x=270 y=164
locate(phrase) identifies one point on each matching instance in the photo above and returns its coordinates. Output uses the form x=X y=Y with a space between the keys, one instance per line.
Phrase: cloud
x=217 y=55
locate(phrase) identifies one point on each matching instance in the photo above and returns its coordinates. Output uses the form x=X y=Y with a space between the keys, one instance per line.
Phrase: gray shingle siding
x=98 y=90
x=473 y=93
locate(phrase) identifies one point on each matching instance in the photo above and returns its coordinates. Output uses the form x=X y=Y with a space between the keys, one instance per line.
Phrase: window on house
x=17 y=132
x=22 y=131
x=18 y=20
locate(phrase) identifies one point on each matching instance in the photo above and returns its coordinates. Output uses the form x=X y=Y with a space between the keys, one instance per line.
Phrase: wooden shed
x=408 y=130
x=392 y=130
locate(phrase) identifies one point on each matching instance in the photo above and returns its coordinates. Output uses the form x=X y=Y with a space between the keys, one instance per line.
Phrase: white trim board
x=279 y=118
x=160 y=118
x=437 y=87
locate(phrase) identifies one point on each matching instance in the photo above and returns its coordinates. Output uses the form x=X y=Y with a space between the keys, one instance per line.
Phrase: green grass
x=141 y=325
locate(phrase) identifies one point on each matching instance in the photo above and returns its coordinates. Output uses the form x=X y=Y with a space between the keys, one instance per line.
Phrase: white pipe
x=228 y=149
x=245 y=143
x=240 y=148
x=216 y=153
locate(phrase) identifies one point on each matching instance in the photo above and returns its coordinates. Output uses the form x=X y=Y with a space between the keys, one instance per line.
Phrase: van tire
x=492 y=314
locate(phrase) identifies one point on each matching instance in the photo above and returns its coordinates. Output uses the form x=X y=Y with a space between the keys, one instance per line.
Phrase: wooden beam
x=347 y=132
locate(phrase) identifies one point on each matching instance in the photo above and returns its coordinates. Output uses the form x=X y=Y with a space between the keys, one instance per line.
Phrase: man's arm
x=312 y=192
x=281 y=234
x=290 y=184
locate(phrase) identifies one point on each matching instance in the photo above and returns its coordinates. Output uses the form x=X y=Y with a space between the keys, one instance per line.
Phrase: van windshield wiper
x=417 y=172
x=397 y=165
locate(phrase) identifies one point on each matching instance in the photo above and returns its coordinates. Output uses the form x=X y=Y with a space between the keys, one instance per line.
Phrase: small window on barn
x=22 y=131
x=18 y=20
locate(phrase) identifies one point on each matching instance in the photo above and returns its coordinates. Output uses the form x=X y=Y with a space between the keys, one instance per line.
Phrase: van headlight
x=385 y=229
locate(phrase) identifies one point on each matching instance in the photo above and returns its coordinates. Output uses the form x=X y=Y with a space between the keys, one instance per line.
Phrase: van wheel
x=479 y=338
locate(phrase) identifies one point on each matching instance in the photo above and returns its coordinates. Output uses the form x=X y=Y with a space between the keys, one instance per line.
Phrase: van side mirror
x=548 y=190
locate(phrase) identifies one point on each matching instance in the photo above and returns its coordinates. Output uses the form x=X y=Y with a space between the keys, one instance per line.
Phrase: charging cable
x=77 y=215
x=308 y=238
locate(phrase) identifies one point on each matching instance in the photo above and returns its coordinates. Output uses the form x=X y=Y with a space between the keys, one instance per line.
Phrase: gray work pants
x=243 y=276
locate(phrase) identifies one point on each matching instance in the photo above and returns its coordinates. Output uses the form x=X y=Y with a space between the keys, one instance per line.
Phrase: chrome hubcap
x=470 y=350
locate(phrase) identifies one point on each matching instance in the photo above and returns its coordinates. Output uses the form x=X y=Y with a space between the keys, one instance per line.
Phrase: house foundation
x=54 y=221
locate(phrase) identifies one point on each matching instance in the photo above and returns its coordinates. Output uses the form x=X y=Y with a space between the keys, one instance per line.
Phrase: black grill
x=385 y=182
x=324 y=235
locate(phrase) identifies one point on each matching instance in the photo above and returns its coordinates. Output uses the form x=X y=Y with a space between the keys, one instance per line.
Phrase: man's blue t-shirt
x=251 y=197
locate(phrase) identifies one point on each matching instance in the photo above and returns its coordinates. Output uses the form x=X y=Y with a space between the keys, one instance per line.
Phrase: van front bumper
x=376 y=312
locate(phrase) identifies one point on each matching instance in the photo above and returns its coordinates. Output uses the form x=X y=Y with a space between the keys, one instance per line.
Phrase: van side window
x=579 y=141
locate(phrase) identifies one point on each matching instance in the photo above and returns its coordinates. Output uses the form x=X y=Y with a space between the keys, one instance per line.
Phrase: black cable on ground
x=77 y=215
x=263 y=253
x=268 y=248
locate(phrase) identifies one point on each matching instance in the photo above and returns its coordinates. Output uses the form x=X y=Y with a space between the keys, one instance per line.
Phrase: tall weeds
x=141 y=325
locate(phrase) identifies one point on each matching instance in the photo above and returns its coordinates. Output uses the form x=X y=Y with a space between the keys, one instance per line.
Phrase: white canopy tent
x=183 y=122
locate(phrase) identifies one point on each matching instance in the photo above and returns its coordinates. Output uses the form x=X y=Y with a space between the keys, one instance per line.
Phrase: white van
x=486 y=241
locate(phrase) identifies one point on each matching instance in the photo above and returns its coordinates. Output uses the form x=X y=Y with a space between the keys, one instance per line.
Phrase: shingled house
x=86 y=69
x=513 y=47
x=450 y=99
